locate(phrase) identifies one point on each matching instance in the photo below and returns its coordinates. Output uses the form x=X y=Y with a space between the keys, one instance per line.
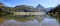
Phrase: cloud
x=45 y=3
x=6 y=3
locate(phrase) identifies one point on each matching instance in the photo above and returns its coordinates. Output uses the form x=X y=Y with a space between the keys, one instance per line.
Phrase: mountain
x=24 y=8
x=40 y=8
x=55 y=11
x=1 y=4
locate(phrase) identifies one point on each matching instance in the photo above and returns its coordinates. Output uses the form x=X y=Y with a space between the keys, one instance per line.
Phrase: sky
x=44 y=3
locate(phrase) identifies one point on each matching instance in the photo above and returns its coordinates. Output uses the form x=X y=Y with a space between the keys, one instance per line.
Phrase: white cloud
x=6 y=3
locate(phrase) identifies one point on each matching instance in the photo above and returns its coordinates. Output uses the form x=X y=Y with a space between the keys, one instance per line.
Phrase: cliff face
x=24 y=8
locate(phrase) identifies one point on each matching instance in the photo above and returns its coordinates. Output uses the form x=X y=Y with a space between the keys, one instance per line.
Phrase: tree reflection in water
x=57 y=17
x=18 y=18
x=28 y=20
x=24 y=18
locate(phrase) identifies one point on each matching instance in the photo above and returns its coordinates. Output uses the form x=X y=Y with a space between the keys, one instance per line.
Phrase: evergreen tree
x=54 y=10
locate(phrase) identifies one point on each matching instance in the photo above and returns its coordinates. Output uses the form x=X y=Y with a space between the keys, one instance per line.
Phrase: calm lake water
x=42 y=20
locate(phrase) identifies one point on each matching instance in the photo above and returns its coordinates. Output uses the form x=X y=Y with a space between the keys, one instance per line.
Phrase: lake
x=35 y=20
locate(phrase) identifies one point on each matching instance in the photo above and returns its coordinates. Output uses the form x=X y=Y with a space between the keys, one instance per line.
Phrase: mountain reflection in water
x=46 y=21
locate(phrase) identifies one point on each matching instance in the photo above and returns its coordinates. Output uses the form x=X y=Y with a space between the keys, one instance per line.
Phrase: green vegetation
x=4 y=11
x=56 y=13
x=54 y=10
x=9 y=10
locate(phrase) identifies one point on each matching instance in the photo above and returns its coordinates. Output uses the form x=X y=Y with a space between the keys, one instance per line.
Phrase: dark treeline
x=56 y=13
x=3 y=10
x=54 y=10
